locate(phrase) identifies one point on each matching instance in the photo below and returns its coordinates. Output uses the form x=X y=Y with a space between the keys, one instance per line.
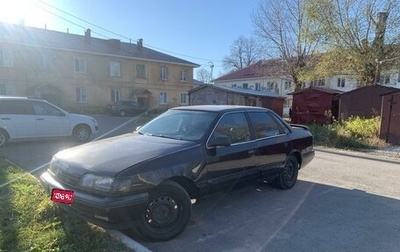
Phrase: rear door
x=17 y=118
x=228 y=163
x=271 y=139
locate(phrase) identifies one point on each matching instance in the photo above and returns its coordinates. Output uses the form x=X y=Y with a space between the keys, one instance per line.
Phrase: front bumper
x=108 y=212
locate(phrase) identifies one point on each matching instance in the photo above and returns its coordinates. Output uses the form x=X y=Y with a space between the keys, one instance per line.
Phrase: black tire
x=122 y=113
x=288 y=177
x=3 y=138
x=82 y=133
x=167 y=213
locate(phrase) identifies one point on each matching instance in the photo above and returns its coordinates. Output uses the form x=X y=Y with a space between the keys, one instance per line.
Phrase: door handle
x=251 y=152
x=5 y=118
x=39 y=119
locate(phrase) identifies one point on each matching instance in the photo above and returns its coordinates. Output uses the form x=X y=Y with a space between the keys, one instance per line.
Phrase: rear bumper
x=108 y=212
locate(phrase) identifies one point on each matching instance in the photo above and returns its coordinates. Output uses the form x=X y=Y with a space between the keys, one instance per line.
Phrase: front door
x=227 y=163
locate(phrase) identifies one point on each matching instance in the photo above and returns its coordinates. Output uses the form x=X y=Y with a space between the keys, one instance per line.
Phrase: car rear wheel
x=288 y=176
x=3 y=138
x=167 y=212
x=82 y=133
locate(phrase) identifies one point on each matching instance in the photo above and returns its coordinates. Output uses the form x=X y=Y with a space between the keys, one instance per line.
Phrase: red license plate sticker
x=62 y=196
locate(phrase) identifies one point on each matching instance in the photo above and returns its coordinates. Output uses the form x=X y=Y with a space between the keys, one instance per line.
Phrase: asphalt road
x=343 y=201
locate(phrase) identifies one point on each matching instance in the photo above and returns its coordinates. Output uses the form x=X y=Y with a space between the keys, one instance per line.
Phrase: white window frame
x=164 y=73
x=79 y=65
x=6 y=58
x=115 y=69
x=81 y=94
x=115 y=94
x=183 y=75
x=341 y=82
x=43 y=62
x=163 y=98
x=138 y=73
x=184 y=98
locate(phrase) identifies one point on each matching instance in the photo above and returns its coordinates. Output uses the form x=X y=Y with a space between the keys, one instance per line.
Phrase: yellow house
x=84 y=73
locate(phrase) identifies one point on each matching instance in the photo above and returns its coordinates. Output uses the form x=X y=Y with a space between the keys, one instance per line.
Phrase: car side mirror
x=137 y=128
x=219 y=140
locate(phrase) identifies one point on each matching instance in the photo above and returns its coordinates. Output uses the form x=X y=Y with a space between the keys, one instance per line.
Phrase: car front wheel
x=167 y=212
x=287 y=178
x=82 y=133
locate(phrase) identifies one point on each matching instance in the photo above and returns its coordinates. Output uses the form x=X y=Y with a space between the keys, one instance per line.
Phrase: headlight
x=105 y=184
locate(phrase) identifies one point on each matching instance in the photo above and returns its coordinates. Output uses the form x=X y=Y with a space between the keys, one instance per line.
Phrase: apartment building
x=82 y=72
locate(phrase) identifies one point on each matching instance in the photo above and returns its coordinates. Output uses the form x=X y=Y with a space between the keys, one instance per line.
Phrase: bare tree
x=361 y=36
x=243 y=52
x=289 y=34
x=203 y=75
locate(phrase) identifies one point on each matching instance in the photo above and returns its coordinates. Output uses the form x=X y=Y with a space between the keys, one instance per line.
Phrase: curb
x=127 y=241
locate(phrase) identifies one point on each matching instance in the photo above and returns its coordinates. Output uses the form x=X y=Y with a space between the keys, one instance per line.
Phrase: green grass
x=30 y=221
x=353 y=134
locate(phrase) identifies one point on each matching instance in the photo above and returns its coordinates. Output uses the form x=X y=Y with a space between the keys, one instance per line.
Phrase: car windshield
x=180 y=124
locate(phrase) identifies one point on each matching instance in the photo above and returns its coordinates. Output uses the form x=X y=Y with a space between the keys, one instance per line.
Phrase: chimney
x=140 y=45
x=88 y=33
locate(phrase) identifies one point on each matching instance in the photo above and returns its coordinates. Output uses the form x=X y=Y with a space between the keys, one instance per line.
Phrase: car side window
x=264 y=125
x=41 y=108
x=15 y=107
x=234 y=126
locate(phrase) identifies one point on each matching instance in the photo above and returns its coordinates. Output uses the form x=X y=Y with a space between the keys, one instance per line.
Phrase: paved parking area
x=344 y=201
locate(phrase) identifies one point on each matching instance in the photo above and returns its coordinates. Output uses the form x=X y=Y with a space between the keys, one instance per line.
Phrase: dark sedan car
x=126 y=107
x=146 y=179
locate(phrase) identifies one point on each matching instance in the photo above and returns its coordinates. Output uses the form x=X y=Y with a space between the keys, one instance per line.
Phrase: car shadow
x=310 y=217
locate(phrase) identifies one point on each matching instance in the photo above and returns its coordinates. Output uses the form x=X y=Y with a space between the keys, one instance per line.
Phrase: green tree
x=360 y=37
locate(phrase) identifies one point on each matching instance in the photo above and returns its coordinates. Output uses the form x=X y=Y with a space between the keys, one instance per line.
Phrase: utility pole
x=211 y=71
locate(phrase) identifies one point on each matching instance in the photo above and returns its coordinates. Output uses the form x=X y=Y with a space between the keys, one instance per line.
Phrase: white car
x=29 y=118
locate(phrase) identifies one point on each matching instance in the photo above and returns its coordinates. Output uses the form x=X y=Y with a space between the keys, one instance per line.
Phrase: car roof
x=220 y=108
x=19 y=98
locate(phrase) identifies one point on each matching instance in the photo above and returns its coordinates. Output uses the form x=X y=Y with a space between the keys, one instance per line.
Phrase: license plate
x=62 y=196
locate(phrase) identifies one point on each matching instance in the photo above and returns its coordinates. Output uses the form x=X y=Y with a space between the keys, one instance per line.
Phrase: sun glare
x=19 y=12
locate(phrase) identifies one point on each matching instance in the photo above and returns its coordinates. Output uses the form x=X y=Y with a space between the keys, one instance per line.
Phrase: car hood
x=113 y=155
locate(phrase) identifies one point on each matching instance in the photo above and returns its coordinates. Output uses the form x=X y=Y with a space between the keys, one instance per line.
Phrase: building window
x=81 y=95
x=288 y=85
x=245 y=85
x=258 y=86
x=6 y=59
x=183 y=75
x=115 y=95
x=163 y=98
x=233 y=85
x=141 y=71
x=164 y=73
x=115 y=69
x=80 y=65
x=184 y=99
x=42 y=62
x=270 y=85
x=341 y=82
x=385 y=79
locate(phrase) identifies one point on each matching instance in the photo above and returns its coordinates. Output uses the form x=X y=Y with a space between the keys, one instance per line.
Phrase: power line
x=109 y=31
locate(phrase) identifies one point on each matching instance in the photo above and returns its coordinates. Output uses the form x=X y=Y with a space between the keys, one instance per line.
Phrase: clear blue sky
x=198 y=31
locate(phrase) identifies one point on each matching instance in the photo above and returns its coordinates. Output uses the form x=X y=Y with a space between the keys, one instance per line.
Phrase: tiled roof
x=19 y=34
x=261 y=93
x=273 y=67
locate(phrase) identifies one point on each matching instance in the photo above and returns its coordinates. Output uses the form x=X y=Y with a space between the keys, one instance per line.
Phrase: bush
x=354 y=133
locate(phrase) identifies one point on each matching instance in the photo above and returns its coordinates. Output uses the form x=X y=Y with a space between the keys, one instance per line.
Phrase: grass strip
x=30 y=221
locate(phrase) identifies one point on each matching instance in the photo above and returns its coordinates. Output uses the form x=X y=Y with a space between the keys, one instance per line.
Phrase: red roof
x=262 y=68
